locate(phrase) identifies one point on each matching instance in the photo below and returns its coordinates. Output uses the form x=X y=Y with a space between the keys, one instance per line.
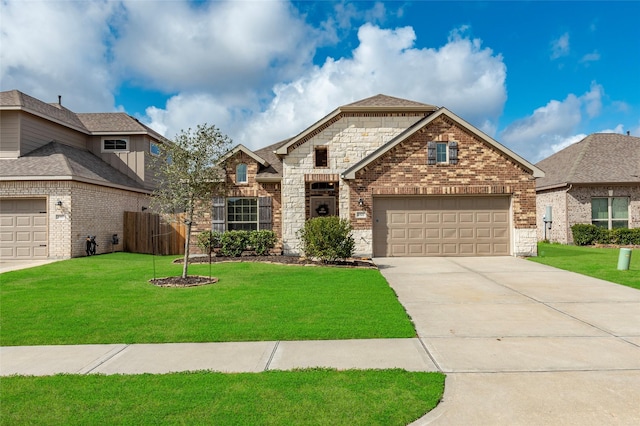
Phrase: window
x=322 y=157
x=241 y=173
x=441 y=153
x=154 y=148
x=610 y=212
x=323 y=186
x=115 y=145
x=242 y=214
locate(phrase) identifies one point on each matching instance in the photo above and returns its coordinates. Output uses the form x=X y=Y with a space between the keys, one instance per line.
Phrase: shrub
x=327 y=238
x=208 y=240
x=233 y=243
x=262 y=241
x=585 y=235
x=624 y=236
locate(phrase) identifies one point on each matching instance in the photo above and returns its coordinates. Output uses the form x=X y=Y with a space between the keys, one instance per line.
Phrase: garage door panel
x=465 y=218
x=39 y=237
x=467 y=249
x=416 y=234
x=483 y=217
x=449 y=233
x=414 y=218
x=449 y=218
x=432 y=218
x=24 y=221
x=40 y=252
x=398 y=218
x=441 y=226
x=416 y=249
x=466 y=233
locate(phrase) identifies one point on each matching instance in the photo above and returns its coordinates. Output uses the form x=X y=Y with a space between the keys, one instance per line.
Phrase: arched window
x=241 y=173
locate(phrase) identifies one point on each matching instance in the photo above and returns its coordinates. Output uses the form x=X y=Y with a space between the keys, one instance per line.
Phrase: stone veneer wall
x=86 y=210
x=481 y=170
x=348 y=141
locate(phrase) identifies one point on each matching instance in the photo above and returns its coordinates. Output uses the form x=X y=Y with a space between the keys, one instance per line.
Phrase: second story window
x=154 y=148
x=441 y=153
x=241 y=173
x=321 y=157
x=115 y=144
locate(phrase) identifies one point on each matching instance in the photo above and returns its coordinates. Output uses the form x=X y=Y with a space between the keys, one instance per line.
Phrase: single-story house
x=413 y=179
x=64 y=176
x=594 y=181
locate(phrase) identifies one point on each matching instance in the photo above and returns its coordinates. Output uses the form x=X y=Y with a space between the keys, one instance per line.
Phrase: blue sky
x=536 y=76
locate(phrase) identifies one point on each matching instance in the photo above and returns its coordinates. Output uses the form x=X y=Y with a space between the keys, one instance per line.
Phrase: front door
x=323 y=206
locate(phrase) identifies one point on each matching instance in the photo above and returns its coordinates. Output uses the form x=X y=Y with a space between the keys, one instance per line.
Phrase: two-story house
x=65 y=175
x=413 y=179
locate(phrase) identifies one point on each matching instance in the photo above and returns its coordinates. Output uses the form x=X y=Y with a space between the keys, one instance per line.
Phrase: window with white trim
x=610 y=212
x=242 y=214
x=241 y=173
x=115 y=144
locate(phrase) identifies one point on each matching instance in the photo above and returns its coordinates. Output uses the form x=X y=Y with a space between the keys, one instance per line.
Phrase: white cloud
x=43 y=56
x=461 y=75
x=560 y=46
x=552 y=127
x=220 y=47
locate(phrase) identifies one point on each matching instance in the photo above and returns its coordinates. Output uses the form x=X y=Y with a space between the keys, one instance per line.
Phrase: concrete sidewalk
x=408 y=354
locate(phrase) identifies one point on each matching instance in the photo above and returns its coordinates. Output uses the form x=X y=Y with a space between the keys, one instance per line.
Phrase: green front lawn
x=595 y=262
x=108 y=299
x=304 y=397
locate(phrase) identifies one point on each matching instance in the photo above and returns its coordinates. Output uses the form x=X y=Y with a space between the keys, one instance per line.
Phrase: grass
x=108 y=299
x=306 y=397
x=595 y=262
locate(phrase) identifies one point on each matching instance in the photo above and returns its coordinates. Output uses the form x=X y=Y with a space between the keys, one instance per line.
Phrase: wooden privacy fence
x=148 y=233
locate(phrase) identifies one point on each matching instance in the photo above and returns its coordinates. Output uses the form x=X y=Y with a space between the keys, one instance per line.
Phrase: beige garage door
x=441 y=226
x=23 y=228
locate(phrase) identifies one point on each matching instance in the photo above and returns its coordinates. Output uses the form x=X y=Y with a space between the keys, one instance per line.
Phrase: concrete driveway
x=523 y=343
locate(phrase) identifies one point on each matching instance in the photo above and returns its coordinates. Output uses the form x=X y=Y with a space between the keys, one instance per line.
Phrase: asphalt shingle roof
x=598 y=158
x=17 y=99
x=59 y=160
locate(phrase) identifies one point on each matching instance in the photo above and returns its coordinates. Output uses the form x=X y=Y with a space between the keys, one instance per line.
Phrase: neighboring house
x=413 y=179
x=64 y=176
x=596 y=180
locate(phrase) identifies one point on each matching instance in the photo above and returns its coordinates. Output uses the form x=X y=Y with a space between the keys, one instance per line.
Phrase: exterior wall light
x=361 y=202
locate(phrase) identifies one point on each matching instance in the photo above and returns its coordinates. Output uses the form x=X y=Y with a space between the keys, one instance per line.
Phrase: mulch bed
x=190 y=281
x=284 y=260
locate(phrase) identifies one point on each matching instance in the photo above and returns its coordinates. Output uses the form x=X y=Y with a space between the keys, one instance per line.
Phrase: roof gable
x=247 y=151
x=351 y=172
x=598 y=158
x=378 y=104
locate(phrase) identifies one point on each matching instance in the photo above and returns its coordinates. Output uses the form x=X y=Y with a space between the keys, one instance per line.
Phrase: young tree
x=189 y=175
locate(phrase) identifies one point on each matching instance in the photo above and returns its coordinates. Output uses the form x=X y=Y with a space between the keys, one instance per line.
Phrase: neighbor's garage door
x=23 y=228
x=441 y=226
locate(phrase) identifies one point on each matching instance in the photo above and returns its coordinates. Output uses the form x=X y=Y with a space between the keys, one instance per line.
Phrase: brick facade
x=481 y=170
x=86 y=210
x=572 y=205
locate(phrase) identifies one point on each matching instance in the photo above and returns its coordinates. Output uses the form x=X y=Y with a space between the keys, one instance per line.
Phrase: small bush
x=262 y=241
x=585 y=235
x=327 y=238
x=624 y=236
x=208 y=240
x=233 y=243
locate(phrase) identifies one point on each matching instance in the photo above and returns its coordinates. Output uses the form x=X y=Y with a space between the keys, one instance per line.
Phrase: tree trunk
x=187 y=240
